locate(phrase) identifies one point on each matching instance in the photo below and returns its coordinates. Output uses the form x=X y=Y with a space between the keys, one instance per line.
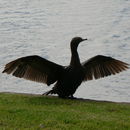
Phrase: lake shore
x=26 y=111
x=51 y=96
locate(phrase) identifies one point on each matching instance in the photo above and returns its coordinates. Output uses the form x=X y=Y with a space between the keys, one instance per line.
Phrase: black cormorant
x=67 y=78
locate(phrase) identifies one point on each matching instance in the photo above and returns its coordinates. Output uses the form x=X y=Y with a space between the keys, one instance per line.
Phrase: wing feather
x=34 y=68
x=101 y=66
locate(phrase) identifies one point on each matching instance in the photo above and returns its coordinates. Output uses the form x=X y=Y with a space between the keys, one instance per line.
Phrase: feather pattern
x=101 y=66
x=34 y=68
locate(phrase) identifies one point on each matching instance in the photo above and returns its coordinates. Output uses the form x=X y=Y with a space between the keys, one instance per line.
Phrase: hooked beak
x=85 y=39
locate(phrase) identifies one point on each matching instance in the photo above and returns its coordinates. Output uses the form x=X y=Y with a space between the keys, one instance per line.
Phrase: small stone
x=42 y=126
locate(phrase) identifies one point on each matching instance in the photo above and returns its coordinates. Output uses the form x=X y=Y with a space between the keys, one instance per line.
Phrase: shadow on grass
x=51 y=100
x=55 y=100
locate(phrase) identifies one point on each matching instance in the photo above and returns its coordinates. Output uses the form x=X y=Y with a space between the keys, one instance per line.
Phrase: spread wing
x=101 y=66
x=34 y=68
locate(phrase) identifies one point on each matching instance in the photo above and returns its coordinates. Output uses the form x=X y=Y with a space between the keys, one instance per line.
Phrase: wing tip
x=10 y=67
x=4 y=71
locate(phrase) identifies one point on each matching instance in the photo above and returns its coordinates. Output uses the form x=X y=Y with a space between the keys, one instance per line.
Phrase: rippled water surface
x=45 y=28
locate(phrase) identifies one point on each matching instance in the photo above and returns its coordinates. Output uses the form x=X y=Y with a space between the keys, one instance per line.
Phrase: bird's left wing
x=34 y=68
x=101 y=66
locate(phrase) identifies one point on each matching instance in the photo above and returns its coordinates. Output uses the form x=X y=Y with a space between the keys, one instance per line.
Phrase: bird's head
x=75 y=42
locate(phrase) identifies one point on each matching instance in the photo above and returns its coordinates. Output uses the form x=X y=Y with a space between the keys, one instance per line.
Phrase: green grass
x=33 y=112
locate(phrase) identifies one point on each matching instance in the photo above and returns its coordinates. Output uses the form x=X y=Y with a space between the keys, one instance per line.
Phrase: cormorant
x=67 y=78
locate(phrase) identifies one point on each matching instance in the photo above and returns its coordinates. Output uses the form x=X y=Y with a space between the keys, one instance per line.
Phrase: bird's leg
x=48 y=92
x=71 y=97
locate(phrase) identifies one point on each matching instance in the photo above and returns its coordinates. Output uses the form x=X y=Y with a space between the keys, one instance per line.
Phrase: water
x=45 y=28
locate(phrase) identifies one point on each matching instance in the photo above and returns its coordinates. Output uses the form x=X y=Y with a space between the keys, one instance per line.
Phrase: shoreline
x=78 y=99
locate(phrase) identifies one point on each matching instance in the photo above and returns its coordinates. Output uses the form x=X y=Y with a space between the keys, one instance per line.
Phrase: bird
x=66 y=79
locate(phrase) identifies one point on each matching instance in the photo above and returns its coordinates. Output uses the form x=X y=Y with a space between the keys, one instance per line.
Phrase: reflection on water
x=46 y=27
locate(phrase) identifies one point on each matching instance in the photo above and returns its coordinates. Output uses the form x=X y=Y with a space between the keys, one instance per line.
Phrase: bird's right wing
x=35 y=68
x=100 y=66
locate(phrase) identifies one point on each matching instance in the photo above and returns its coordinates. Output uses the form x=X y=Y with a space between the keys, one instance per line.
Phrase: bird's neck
x=75 y=61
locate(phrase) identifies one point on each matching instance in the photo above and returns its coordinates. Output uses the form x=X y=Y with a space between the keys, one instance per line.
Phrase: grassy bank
x=18 y=111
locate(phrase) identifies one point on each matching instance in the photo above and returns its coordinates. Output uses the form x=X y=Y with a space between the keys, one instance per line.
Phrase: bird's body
x=67 y=78
x=69 y=82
